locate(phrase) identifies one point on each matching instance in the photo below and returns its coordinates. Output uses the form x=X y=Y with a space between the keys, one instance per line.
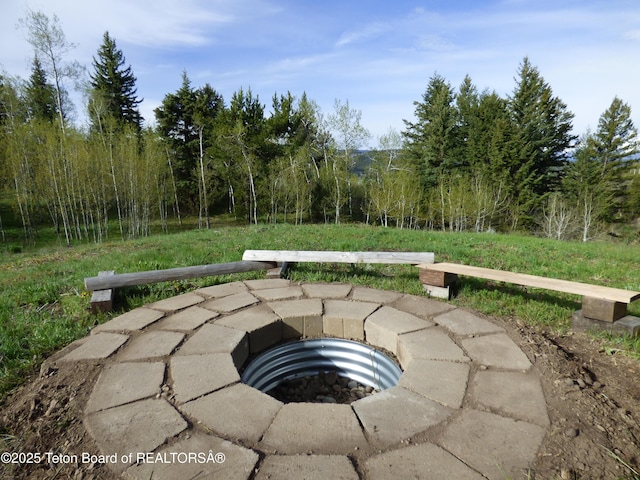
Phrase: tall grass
x=43 y=305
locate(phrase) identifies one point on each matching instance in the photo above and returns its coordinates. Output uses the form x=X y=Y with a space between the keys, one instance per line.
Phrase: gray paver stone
x=307 y=467
x=517 y=395
x=96 y=347
x=237 y=412
x=497 y=447
x=231 y=303
x=151 y=344
x=188 y=319
x=425 y=461
x=366 y=294
x=171 y=463
x=122 y=383
x=222 y=290
x=178 y=302
x=196 y=375
x=284 y=293
x=133 y=320
x=396 y=414
x=266 y=284
x=329 y=290
x=261 y=324
x=421 y=306
x=298 y=314
x=316 y=428
x=345 y=318
x=136 y=427
x=383 y=327
x=444 y=382
x=430 y=344
x=212 y=338
x=462 y=322
x=496 y=351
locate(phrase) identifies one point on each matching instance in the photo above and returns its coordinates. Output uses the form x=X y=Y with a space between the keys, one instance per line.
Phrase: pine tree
x=40 y=95
x=114 y=85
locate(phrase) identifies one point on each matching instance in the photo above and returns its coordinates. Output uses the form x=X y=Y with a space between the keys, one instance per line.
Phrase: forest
x=469 y=160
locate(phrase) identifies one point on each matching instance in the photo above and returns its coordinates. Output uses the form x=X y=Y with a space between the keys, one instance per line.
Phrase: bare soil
x=593 y=402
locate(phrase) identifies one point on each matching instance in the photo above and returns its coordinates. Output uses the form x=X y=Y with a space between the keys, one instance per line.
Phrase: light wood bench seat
x=599 y=303
x=406 y=258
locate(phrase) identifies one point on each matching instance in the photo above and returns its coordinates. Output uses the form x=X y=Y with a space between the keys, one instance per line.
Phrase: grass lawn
x=43 y=304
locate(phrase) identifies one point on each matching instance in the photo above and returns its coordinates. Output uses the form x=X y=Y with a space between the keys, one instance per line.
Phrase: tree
x=115 y=85
x=40 y=95
x=541 y=138
x=431 y=140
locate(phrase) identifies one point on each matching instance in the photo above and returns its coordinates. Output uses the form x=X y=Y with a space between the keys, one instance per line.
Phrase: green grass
x=43 y=305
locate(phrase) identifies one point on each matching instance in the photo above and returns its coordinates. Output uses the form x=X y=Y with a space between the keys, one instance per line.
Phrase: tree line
x=469 y=160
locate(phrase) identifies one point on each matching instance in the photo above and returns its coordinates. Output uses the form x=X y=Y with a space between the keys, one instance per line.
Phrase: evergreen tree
x=114 y=85
x=40 y=95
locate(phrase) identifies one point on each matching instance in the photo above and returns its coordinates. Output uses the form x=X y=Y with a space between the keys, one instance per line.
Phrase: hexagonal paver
x=300 y=318
x=96 y=347
x=267 y=284
x=198 y=456
x=326 y=290
x=231 y=303
x=428 y=344
x=366 y=294
x=314 y=428
x=345 y=319
x=420 y=306
x=462 y=322
x=396 y=414
x=151 y=345
x=247 y=412
x=261 y=324
x=308 y=467
x=496 y=351
x=426 y=461
x=136 y=427
x=222 y=290
x=218 y=339
x=444 y=382
x=196 y=375
x=383 y=327
x=123 y=383
x=284 y=293
x=178 y=302
x=497 y=447
x=131 y=321
x=188 y=319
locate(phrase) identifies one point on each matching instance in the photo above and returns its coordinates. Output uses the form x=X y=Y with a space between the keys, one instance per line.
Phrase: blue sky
x=378 y=55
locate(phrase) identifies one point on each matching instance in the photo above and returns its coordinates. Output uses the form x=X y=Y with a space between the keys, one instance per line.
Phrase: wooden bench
x=600 y=305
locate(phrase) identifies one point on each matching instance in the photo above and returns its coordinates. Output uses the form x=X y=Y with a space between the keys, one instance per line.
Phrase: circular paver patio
x=169 y=402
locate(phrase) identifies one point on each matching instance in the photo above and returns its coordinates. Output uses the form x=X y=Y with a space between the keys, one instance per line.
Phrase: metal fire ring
x=354 y=360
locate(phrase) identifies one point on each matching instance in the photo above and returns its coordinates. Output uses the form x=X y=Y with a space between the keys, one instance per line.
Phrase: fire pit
x=322 y=370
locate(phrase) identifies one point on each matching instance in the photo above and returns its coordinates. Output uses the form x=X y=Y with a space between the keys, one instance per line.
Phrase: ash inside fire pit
x=325 y=387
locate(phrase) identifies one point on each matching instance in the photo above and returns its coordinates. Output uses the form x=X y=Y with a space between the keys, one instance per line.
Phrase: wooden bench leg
x=437 y=284
x=604 y=310
x=102 y=300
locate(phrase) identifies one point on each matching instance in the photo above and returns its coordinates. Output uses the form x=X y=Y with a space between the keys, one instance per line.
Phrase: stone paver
x=150 y=345
x=496 y=351
x=397 y=414
x=328 y=290
x=218 y=339
x=425 y=461
x=238 y=462
x=462 y=322
x=383 y=327
x=188 y=319
x=307 y=467
x=196 y=375
x=131 y=321
x=190 y=349
x=300 y=318
x=231 y=303
x=444 y=382
x=517 y=395
x=314 y=428
x=97 y=347
x=177 y=303
x=123 y=383
x=261 y=324
x=247 y=412
x=345 y=319
x=497 y=447
x=136 y=427
x=428 y=344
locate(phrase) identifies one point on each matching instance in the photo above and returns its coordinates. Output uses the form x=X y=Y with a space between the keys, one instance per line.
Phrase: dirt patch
x=593 y=400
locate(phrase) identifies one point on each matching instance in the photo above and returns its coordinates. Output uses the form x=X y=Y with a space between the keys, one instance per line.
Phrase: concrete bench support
x=102 y=300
